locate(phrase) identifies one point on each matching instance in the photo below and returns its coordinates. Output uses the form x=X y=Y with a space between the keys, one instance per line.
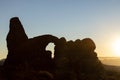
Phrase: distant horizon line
x=97 y=56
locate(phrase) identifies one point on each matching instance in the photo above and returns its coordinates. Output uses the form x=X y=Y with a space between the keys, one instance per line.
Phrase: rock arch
x=24 y=52
x=28 y=57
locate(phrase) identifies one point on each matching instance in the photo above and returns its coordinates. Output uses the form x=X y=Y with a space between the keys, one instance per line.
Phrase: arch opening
x=50 y=47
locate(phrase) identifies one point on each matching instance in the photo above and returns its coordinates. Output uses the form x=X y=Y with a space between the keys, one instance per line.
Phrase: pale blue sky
x=73 y=19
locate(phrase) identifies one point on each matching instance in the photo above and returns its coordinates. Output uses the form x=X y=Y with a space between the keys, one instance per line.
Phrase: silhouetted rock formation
x=16 y=35
x=26 y=54
x=15 y=38
x=77 y=61
x=28 y=59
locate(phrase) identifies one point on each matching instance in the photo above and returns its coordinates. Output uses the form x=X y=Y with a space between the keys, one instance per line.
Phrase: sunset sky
x=72 y=19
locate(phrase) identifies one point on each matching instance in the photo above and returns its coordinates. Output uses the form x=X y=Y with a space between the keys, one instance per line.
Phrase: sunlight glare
x=116 y=47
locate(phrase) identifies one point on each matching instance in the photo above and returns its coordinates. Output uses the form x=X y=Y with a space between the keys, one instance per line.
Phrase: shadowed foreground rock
x=28 y=59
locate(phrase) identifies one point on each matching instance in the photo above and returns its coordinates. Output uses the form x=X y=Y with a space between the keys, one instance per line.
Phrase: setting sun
x=116 y=47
